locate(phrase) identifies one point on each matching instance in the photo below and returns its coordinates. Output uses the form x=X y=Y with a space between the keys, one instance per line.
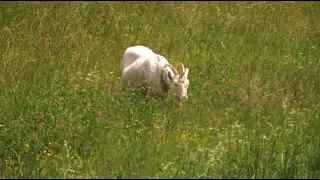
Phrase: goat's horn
x=183 y=69
x=174 y=69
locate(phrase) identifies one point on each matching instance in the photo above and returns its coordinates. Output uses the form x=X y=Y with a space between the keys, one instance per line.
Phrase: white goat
x=140 y=66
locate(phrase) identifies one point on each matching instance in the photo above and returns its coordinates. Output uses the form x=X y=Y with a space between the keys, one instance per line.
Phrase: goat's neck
x=165 y=80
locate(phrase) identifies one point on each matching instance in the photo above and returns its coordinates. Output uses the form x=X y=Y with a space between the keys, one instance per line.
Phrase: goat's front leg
x=164 y=97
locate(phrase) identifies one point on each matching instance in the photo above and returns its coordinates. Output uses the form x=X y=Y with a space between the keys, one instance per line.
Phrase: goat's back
x=133 y=53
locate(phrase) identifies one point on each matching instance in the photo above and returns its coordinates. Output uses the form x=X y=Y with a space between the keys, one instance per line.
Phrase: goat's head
x=179 y=82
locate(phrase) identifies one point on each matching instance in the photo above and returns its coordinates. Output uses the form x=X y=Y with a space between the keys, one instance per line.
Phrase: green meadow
x=254 y=96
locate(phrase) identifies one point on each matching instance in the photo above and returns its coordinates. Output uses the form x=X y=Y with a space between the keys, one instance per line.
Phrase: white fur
x=140 y=66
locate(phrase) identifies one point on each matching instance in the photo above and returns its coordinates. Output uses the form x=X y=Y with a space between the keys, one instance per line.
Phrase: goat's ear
x=173 y=78
x=186 y=72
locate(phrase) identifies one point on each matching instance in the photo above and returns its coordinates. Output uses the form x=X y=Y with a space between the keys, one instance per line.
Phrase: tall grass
x=253 y=108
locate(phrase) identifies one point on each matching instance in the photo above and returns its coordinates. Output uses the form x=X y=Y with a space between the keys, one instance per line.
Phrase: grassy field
x=254 y=96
